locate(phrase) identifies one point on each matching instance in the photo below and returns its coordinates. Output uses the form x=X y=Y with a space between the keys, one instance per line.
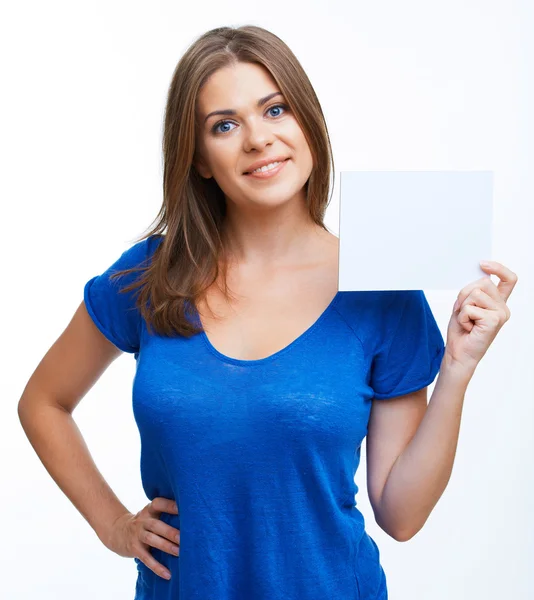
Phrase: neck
x=268 y=237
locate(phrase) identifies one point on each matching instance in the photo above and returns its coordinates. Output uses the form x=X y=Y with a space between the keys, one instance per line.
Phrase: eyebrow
x=229 y=111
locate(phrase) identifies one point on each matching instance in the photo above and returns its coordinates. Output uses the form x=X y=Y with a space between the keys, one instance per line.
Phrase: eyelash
x=214 y=128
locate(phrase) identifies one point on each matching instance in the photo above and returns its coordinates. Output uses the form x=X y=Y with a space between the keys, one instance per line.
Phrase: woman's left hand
x=478 y=315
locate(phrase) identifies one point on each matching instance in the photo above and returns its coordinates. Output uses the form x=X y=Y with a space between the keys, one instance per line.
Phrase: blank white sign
x=414 y=230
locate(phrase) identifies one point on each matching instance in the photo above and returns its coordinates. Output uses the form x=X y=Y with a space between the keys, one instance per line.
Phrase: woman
x=256 y=380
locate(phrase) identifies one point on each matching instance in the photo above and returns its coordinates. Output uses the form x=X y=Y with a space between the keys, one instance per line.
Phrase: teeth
x=266 y=167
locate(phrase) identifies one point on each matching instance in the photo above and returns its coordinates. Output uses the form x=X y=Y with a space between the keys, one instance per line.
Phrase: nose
x=258 y=135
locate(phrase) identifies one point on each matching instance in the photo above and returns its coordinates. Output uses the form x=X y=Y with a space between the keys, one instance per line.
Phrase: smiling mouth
x=250 y=172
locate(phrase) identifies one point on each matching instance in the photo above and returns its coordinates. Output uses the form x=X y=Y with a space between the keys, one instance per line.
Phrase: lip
x=262 y=163
x=268 y=174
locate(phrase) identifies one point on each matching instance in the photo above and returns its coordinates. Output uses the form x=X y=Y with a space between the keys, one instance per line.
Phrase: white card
x=414 y=230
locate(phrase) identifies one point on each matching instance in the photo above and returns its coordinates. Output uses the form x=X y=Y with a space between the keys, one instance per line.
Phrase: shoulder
x=366 y=304
x=378 y=304
x=363 y=312
x=375 y=315
x=139 y=253
x=110 y=296
x=153 y=242
x=146 y=247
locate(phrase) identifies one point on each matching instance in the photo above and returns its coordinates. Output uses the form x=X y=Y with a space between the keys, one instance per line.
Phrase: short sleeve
x=114 y=312
x=409 y=346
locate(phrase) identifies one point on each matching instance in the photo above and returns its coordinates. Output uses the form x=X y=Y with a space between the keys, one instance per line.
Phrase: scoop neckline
x=278 y=353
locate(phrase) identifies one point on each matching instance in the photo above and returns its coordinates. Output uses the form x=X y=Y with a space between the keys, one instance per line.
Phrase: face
x=227 y=145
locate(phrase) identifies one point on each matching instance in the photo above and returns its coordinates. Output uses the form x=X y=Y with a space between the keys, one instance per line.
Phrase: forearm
x=58 y=442
x=421 y=472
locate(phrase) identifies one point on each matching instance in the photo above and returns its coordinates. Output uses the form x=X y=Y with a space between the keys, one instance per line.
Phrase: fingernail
x=485 y=263
x=455 y=306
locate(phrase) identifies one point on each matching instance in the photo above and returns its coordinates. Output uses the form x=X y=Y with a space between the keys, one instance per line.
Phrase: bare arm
x=65 y=374
x=422 y=465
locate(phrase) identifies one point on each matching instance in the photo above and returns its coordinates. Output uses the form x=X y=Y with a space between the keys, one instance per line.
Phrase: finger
x=485 y=284
x=159 y=505
x=164 y=530
x=482 y=283
x=508 y=278
x=153 y=564
x=469 y=314
x=491 y=290
x=480 y=298
x=152 y=539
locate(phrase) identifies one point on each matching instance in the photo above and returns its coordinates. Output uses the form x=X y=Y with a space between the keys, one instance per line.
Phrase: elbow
x=25 y=407
x=408 y=533
x=399 y=535
x=21 y=410
x=403 y=536
x=395 y=530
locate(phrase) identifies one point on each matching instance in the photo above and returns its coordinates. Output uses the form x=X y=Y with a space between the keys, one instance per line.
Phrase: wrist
x=454 y=370
x=105 y=531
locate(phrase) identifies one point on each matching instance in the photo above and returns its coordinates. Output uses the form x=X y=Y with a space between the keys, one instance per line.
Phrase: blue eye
x=215 y=128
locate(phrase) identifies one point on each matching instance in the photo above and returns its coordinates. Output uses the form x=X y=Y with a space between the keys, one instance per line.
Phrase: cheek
x=223 y=161
x=304 y=155
x=299 y=142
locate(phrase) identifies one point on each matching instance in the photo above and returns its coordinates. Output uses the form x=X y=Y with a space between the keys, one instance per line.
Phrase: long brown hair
x=187 y=261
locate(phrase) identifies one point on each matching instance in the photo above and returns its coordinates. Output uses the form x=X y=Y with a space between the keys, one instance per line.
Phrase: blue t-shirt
x=261 y=455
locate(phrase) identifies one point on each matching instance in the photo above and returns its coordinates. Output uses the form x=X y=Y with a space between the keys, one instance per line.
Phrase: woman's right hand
x=133 y=535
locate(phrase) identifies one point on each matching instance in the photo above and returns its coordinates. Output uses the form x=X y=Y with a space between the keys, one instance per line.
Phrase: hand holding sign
x=478 y=315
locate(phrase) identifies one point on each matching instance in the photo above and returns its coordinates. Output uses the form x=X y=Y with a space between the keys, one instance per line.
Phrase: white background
x=411 y=85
